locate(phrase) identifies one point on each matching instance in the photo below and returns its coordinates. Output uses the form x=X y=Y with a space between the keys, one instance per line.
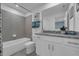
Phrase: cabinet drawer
x=53 y=39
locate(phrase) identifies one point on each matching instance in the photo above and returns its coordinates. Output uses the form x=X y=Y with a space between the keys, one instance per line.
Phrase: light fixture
x=17 y=5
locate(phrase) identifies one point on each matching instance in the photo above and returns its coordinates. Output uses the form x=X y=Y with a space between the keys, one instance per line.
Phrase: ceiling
x=29 y=6
x=36 y=6
x=61 y=8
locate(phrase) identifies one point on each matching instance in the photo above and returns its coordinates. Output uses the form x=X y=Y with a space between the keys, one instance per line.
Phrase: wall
x=71 y=21
x=76 y=20
x=28 y=26
x=12 y=24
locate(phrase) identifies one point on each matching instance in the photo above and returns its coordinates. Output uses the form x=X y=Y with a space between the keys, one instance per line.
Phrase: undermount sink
x=70 y=33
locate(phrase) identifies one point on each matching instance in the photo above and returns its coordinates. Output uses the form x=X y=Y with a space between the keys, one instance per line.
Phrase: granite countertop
x=59 y=35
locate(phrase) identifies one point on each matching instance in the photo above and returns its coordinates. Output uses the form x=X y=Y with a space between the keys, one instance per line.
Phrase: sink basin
x=70 y=33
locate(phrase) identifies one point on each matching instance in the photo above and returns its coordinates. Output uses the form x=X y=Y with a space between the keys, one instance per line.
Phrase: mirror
x=59 y=24
x=54 y=18
x=66 y=14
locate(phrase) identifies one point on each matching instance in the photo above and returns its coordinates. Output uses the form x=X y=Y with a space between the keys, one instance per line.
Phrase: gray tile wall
x=12 y=24
x=28 y=26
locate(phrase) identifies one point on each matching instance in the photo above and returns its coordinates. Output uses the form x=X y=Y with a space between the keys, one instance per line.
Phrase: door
x=46 y=48
x=59 y=50
x=65 y=50
x=43 y=47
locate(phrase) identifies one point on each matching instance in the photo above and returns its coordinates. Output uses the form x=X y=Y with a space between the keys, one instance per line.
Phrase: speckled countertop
x=59 y=35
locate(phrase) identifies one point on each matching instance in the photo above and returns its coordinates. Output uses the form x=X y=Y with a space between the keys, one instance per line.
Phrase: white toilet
x=30 y=47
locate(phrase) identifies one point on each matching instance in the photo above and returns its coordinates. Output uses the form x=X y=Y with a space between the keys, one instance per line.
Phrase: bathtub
x=14 y=46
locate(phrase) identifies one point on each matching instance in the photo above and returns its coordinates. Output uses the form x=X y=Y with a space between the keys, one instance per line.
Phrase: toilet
x=30 y=47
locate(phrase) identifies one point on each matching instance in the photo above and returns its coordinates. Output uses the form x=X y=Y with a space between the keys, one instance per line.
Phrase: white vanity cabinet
x=56 y=46
x=43 y=46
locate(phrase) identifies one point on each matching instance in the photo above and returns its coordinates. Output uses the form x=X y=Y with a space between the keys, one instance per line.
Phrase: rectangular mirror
x=55 y=17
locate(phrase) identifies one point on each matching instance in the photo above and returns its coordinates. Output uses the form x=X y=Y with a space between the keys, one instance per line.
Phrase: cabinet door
x=59 y=50
x=65 y=50
x=46 y=48
x=43 y=47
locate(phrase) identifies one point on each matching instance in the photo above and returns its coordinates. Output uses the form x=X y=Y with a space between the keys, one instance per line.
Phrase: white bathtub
x=14 y=46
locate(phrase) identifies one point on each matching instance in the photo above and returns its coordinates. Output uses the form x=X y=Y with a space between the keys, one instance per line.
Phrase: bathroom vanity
x=48 y=44
x=58 y=44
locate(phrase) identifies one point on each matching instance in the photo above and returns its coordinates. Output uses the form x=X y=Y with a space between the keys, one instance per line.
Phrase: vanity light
x=17 y=5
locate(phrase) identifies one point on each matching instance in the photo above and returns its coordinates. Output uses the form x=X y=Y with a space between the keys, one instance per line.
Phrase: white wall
x=77 y=22
x=74 y=22
x=71 y=24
